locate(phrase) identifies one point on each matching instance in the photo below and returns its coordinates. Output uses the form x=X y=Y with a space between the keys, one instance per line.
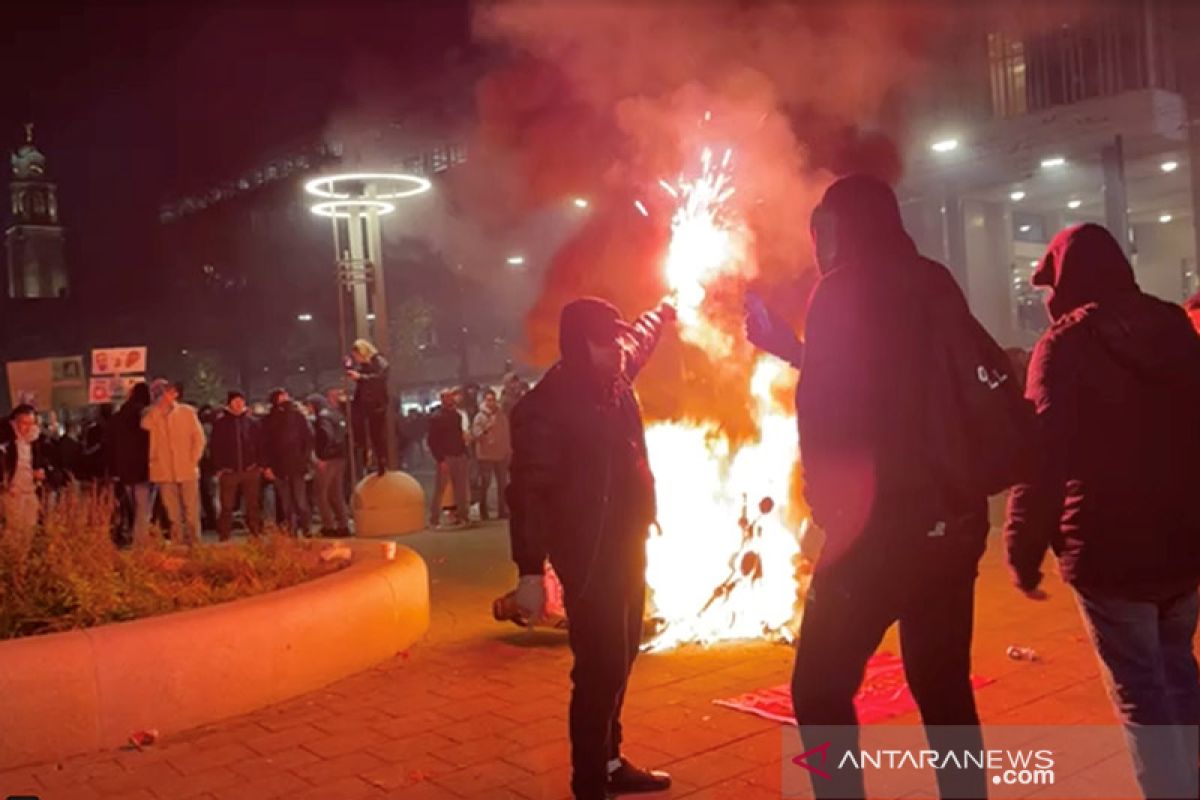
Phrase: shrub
x=67 y=573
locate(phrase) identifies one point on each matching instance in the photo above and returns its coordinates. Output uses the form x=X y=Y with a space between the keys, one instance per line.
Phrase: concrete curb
x=86 y=690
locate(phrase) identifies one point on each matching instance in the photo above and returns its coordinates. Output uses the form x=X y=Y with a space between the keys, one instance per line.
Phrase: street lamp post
x=354 y=202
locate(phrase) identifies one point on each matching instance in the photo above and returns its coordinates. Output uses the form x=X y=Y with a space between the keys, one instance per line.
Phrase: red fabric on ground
x=884 y=694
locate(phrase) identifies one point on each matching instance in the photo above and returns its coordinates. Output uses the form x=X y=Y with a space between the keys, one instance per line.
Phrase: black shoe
x=628 y=779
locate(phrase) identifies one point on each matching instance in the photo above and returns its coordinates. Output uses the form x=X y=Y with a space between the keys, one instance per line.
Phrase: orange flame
x=720 y=568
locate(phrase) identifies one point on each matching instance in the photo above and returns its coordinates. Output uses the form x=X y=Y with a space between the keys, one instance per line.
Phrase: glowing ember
x=724 y=565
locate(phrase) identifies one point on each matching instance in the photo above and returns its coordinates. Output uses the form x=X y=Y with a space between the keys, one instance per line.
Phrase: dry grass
x=67 y=573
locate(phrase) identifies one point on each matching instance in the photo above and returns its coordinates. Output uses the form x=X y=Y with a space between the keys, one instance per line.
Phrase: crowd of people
x=192 y=469
x=469 y=439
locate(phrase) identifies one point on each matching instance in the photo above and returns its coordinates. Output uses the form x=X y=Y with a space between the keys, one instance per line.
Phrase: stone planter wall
x=87 y=690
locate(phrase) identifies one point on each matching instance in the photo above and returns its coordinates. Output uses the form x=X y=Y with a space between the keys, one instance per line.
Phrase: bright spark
x=741 y=580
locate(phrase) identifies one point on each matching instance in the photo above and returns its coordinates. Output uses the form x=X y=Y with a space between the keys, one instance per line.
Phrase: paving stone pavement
x=478 y=709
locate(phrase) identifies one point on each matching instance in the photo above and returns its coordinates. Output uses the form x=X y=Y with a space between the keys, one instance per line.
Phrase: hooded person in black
x=287 y=448
x=237 y=459
x=131 y=462
x=329 y=447
x=1116 y=385
x=582 y=493
x=894 y=551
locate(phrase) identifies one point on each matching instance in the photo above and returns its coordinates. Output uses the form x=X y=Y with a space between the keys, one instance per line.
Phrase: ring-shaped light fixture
x=401 y=185
x=340 y=209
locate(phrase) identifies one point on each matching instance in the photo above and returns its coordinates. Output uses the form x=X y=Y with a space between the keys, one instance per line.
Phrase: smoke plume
x=602 y=99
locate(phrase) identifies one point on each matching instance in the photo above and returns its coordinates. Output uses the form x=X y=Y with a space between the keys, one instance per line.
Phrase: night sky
x=135 y=103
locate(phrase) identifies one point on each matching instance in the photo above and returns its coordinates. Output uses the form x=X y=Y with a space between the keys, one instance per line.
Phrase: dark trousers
x=487 y=471
x=208 y=506
x=370 y=428
x=605 y=634
x=291 y=493
x=847 y=612
x=229 y=483
x=328 y=485
x=452 y=471
x=1149 y=666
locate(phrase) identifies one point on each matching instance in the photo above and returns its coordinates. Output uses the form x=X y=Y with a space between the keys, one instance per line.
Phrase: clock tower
x=33 y=243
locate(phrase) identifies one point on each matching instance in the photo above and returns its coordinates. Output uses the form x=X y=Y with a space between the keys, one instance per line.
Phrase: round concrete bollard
x=388 y=505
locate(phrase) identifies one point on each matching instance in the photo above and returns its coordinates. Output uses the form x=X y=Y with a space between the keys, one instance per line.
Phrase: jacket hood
x=317 y=402
x=1083 y=264
x=587 y=319
x=1091 y=281
x=1148 y=336
x=868 y=230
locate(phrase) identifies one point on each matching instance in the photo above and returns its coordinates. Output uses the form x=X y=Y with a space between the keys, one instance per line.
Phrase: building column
x=1116 y=203
x=987 y=236
x=954 y=243
x=923 y=220
x=1193 y=150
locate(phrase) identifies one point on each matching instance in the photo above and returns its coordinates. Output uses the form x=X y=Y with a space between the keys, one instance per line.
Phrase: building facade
x=1071 y=116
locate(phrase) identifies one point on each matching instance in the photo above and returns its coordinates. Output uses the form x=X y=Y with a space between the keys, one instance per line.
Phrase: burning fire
x=724 y=564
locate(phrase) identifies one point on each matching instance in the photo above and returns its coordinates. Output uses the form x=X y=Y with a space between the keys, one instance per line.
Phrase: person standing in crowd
x=208 y=474
x=52 y=433
x=467 y=400
x=335 y=399
x=897 y=548
x=329 y=444
x=511 y=392
x=97 y=446
x=415 y=431
x=131 y=462
x=288 y=446
x=369 y=371
x=71 y=454
x=448 y=445
x=583 y=494
x=24 y=466
x=176 y=446
x=236 y=450
x=1116 y=385
x=493 y=448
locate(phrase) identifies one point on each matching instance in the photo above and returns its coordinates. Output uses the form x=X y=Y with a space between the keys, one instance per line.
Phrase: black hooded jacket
x=235 y=442
x=1116 y=385
x=287 y=441
x=445 y=437
x=371 y=390
x=329 y=430
x=581 y=489
x=864 y=379
x=131 y=442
